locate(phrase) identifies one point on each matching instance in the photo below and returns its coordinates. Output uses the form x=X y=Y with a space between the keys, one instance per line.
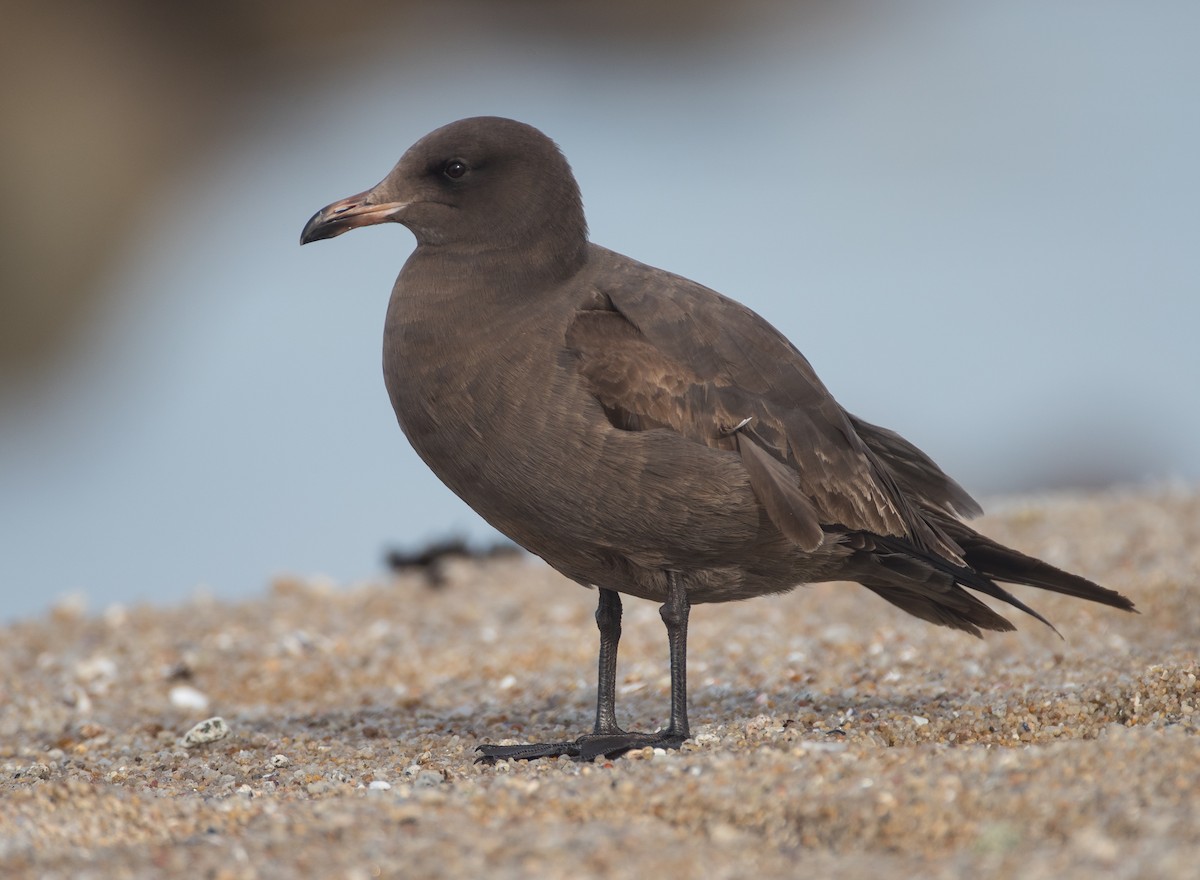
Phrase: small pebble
x=427 y=779
x=184 y=696
x=205 y=732
x=96 y=670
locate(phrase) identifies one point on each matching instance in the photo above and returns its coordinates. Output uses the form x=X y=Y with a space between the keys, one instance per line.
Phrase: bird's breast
x=480 y=396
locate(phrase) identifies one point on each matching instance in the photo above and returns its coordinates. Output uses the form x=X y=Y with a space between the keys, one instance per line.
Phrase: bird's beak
x=350 y=213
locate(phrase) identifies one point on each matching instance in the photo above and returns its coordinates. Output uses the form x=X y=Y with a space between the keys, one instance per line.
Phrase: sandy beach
x=832 y=735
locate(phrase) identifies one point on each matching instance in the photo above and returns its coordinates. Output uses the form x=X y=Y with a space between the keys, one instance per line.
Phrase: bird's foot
x=588 y=747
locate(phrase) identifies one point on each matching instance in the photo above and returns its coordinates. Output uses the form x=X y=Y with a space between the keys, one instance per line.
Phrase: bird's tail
x=932 y=588
x=1002 y=563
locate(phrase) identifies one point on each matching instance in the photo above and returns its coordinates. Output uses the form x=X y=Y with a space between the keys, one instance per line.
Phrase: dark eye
x=455 y=168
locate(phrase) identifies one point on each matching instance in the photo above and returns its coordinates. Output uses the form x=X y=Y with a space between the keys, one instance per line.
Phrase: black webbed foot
x=490 y=754
x=588 y=747
x=613 y=745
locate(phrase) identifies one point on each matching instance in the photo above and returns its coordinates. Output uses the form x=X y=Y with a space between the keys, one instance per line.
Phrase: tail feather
x=931 y=587
x=968 y=614
x=994 y=560
x=942 y=581
x=936 y=589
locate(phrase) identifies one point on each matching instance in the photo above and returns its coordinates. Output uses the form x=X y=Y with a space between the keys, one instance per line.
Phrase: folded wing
x=661 y=352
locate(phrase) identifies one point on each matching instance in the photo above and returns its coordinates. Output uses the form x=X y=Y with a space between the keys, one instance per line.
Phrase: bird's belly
x=549 y=471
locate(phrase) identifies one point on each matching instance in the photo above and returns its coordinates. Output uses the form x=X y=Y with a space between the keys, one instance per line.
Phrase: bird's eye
x=454 y=169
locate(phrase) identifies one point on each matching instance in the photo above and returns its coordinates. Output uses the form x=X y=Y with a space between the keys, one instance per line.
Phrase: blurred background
x=979 y=221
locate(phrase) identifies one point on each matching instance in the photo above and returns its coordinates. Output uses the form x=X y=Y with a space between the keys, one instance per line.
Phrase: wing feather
x=659 y=351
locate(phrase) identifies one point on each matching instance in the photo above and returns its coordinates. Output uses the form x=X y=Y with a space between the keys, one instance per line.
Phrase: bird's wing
x=916 y=472
x=659 y=351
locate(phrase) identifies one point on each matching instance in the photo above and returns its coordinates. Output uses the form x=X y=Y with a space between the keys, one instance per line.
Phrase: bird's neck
x=499 y=276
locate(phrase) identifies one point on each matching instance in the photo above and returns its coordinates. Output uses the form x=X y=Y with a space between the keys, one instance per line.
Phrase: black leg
x=608 y=739
x=674 y=614
x=608 y=621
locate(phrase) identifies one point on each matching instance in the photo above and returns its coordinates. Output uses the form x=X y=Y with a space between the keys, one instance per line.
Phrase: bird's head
x=479 y=184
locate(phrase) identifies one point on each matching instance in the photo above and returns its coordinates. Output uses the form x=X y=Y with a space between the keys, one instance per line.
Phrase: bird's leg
x=608 y=621
x=674 y=613
x=606 y=732
x=607 y=738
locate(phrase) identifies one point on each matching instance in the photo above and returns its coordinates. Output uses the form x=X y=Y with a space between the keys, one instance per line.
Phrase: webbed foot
x=588 y=747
